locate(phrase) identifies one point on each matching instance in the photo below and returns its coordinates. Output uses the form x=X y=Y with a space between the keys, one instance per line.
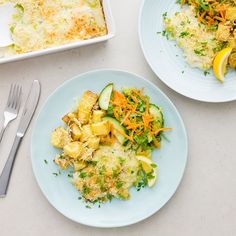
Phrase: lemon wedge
x=220 y=62
x=149 y=167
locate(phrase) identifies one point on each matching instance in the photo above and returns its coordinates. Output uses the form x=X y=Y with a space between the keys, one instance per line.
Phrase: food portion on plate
x=206 y=31
x=42 y=24
x=107 y=143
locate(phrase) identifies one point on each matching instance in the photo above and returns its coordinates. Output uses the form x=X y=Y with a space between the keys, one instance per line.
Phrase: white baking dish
x=111 y=32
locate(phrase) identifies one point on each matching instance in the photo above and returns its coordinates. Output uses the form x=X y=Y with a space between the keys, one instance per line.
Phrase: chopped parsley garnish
x=219 y=47
x=87 y=206
x=164 y=15
x=109 y=197
x=206 y=73
x=45 y=161
x=82 y=175
x=166 y=34
x=119 y=185
x=121 y=160
x=86 y=190
x=57 y=173
x=12 y=29
x=19 y=7
x=153 y=165
x=150 y=176
x=199 y=52
x=143 y=182
x=183 y=34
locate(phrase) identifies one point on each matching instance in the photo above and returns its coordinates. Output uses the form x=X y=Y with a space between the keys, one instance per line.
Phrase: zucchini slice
x=117 y=126
x=156 y=112
x=105 y=96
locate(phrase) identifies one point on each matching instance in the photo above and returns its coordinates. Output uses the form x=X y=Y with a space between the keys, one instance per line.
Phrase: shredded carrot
x=209 y=12
x=126 y=117
x=157 y=144
x=119 y=99
x=162 y=129
x=135 y=121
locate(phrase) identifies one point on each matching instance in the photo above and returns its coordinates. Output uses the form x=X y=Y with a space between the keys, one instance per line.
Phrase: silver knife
x=29 y=109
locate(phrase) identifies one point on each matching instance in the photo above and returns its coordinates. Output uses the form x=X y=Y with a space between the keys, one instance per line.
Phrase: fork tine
x=14 y=97
x=19 y=97
x=10 y=96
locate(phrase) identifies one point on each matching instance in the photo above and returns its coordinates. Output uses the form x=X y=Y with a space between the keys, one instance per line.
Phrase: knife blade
x=30 y=106
x=28 y=112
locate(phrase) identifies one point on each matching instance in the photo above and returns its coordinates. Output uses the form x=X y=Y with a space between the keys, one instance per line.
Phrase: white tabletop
x=204 y=204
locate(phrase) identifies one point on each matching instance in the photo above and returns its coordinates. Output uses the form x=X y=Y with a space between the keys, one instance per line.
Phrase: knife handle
x=6 y=173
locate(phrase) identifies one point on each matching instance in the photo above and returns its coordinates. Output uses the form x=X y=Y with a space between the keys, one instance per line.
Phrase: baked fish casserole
x=107 y=141
x=39 y=24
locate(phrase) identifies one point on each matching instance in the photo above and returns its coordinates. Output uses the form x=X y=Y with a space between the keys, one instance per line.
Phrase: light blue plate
x=167 y=60
x=171 y=159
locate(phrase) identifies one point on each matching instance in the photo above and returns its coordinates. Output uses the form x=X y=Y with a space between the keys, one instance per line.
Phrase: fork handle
x=7 y=170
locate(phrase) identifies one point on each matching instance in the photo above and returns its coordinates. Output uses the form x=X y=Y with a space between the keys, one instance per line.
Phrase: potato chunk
x=60 y=137
x=97 y=116
x=79 y=165
x=93 y=142
x=75 y=132
x=231 y=13
x=68 y=118
x=86 y=104
x=223 y=32
x=73 y=149
x=86 y=133
x=101 y=128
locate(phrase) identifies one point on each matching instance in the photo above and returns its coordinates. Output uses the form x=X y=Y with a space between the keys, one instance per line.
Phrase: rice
x=198 y=43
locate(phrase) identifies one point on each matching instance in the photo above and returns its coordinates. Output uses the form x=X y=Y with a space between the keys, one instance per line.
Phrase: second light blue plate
x=167 y=61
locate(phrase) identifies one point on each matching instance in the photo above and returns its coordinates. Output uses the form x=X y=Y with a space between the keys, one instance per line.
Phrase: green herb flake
x=19 y=7
x=143 y=182
x=119 y=185
x=86 y=190
x=12 y=29
x=199 y=52
x=183 y=34
x=57 y=173
x=46 y=162
x=109 y=197
x=164 y=15
x=153 y=165
x=82 y=175
x=166 y=34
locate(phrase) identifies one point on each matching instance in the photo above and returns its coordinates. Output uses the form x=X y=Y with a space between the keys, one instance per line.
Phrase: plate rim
x=157 y=72
x=114 y=225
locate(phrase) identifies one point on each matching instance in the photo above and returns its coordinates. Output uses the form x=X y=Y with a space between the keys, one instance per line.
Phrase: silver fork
x=12 y=107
